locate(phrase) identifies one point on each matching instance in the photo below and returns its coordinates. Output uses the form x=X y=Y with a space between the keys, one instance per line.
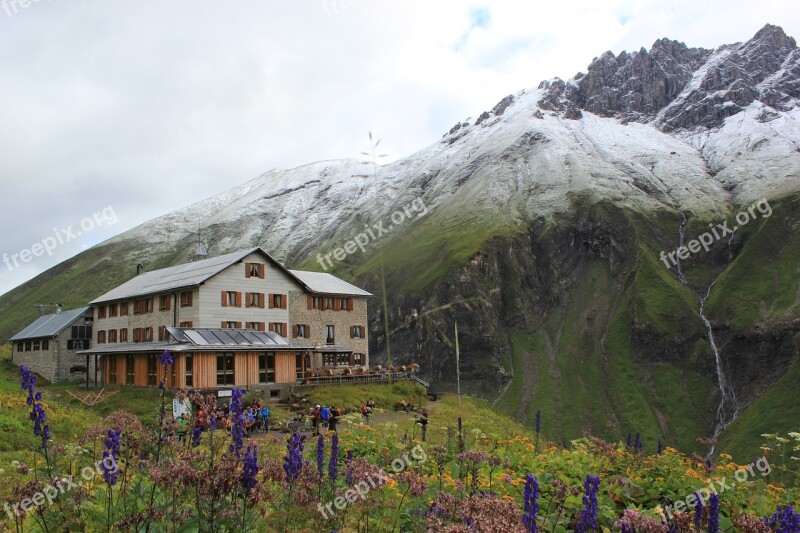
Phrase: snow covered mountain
x=541 y=230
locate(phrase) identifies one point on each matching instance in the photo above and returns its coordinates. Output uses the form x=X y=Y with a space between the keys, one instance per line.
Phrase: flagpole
x=458 y=367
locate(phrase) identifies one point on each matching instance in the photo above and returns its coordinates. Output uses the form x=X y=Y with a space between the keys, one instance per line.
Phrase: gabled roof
x=198 y=272
x=50 y=325
x=177 y=277
x=324 y=283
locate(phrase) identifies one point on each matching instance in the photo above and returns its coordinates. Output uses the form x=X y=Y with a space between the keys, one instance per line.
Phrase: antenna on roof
x=138 y=268
x=201 y=251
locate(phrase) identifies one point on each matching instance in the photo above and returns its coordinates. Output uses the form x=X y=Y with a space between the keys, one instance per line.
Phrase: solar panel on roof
x=226 y=338
x=211 y=337
x=196 y=338
x=238 y=337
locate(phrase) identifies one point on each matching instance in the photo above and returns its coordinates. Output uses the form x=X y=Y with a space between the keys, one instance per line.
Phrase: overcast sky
x=142 y=107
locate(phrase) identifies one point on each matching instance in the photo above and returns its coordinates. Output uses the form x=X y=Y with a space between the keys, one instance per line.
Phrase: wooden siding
x=285 y=367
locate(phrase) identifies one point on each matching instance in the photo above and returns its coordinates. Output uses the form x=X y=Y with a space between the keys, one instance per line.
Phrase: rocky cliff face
x=677 y=87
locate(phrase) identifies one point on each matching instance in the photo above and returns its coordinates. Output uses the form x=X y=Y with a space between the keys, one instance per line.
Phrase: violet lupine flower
x=713 y=514
x=320 y=456
x=250 y=469
x=785 y=520
x=538 y=422
x=530 y=498
x=698 y=511
x=637 y=443
x=629 y=441
x=660 y=449
x=293 y=461
x=110 y=455
x=38 y=416
x=588 y=520
x=333 y=465
x=237 y=429
x=460 y=426
x=349 y=468
x=166 y=359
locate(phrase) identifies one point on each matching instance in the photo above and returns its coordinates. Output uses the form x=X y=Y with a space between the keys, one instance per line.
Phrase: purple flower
x=460 y=426
x=293 y=461
x=250 y=469
x=698 y=511
x=320 y=456
x=588 y=520
x=333 y=464
x=785 y=520
x=660 y=449
x=349 y=468
x=110 y=456
x=530 y=498
x=38 y=416
x=237 y=429
x=713 y=514
x=166 y=359
x=538 y=421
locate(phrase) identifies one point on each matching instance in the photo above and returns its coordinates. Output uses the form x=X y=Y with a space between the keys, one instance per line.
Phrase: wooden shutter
x=271 y=301
x=247 y=270
x=224 y=299
x=352 y=332
x=349 y=304
x=336 y=304
x=262 y=270
x=238 y=325
x=308 y=298
x=238 y=299
x=284 y=328
x=262 y=326
x=261 y=300
x=223 y=324
x=284 y=301
x=308 y=331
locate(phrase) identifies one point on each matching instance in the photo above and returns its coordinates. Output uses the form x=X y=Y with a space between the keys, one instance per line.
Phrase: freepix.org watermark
x=332 y=7
x=718 y=231
x=11 y=7
x=65 y=484
x=60 y=237
x=719 y=486
x=362 y=488
x=417 y=208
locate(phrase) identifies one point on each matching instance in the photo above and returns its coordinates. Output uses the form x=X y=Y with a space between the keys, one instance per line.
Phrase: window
x=231 y=299
x=142 y=334
x=101 y=337
x=298 y=365
x=101 y=311
x=148 y=335
x=45 y=344
x=301 y=331
x=356 y=332
x=331 y=336
x=112 y=310
x=343 y=359
x=230 y=324
x=130 y=369
x=163 y=334
x=258 y=326
x=328 y=303
x=142 y=306
x=78 y=344
x=329 y=359
x=279 y=328
x=112 y=335
x=254 y=270
x=112 y=369
x=186 y=324
x=254 y=299
x=36 y=346
x=164 y=302
x=277 y=301
x=189 y=370
x=358 y=358
x=151 y=368
x=81 y=332
x=28 y=346
x=314 y=302
x=20 y=346
x=224 y=369
x=123 y=335
x=266 y=368
x=123 y=308
x=343 y=304
x=186 y=299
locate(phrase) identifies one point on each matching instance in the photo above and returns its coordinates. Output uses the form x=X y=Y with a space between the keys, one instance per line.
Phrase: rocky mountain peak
x=677 y=87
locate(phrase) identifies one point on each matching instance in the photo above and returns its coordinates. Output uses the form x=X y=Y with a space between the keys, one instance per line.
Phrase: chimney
x=58 y=308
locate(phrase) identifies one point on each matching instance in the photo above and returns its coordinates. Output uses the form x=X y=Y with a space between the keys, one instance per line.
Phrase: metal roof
x=197 y=272
x=324 y=283
x=50 y=325
x=176 y=277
